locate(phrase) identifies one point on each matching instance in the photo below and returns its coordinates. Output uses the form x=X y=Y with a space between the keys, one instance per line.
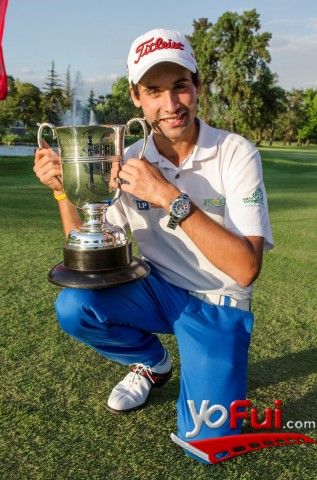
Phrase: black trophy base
x=66 y=277
x=97 y=259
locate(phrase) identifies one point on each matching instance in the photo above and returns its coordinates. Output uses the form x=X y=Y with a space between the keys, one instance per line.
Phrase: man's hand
x=114 y=182
x=48 y=168
x=147 y=182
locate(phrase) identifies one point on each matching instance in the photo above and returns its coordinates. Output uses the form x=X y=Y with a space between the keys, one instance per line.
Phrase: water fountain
x=77 y=114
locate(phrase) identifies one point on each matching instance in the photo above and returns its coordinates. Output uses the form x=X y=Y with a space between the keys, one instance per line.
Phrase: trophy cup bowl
x=99 y=254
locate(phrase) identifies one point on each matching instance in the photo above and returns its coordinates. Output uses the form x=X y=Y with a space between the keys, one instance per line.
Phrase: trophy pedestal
x=94 y=260
x=97 y=259
x=66 y=277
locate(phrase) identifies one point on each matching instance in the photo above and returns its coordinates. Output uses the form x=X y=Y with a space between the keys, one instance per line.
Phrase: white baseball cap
x=157 y=46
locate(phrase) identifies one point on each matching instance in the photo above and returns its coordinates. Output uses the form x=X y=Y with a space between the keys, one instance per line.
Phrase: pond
x=17 y=150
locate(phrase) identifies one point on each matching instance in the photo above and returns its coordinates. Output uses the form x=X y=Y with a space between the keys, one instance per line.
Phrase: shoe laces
x=140 y=370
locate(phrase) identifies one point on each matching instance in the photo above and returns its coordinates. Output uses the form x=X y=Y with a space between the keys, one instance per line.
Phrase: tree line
x=239 y=93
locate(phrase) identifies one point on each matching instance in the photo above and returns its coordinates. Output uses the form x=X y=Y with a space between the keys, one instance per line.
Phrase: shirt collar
x=207 y=142
x=205 y=149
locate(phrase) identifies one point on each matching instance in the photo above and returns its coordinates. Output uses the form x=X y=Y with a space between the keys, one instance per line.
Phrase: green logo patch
x=256 y=199
x=209 y=203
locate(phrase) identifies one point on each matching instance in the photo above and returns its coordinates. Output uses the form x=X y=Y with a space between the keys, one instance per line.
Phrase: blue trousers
x=121 y=324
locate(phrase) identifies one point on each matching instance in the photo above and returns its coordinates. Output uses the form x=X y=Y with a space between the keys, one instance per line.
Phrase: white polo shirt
x=223 y=176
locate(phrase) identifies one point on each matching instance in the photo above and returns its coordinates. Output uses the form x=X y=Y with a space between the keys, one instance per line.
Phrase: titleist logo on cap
x=156 y=46
x=159 y=44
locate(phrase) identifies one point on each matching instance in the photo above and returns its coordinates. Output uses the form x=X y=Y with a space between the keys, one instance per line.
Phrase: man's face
x=168 y=99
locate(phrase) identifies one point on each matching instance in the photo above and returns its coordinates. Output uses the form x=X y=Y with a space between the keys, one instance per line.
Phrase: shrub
x=10 y=139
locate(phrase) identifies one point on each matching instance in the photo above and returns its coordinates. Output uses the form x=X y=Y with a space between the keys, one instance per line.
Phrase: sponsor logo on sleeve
x=209 y=203
x=256 y=199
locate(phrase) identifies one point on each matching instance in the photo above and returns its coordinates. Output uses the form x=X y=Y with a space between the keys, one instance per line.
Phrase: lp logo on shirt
x=142 y=205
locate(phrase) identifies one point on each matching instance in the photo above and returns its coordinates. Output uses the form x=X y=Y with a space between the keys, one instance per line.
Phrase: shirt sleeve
x=246 y=209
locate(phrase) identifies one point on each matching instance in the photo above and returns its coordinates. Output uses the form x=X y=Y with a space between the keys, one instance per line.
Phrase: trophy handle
x=39 y=132
x=145 y=133
x=40 y=139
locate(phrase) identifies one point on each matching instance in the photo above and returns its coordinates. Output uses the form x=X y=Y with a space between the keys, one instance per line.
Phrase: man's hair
x=195 y=79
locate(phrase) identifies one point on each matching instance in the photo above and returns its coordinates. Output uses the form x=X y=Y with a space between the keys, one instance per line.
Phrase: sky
x=94 y=37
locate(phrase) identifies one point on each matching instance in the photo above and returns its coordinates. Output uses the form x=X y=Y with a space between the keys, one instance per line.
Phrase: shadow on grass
x=290 y=376
x=296 y=411
x=282 y=369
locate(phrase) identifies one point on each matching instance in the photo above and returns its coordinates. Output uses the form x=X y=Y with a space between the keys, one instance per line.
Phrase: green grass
x=53 y=424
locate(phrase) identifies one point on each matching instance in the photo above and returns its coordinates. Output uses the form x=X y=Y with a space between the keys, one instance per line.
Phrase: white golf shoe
x=133 y=391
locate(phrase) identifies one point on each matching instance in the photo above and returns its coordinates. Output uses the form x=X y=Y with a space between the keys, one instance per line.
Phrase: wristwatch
x=180 y=208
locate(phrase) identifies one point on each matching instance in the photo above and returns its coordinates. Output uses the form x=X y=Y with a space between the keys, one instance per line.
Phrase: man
x=197 y=208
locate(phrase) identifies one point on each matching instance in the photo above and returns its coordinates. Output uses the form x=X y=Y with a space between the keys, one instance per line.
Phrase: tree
x=52 y=104
x=11 y=85
x=119 y=107
x=91 y=108
x=92 y=102
x=308 y=132
x=100 y=109
x=267 y=102
x=206 y=56
x=7 y=106
x=231 y=55
x=27 y=102
x=294 y=116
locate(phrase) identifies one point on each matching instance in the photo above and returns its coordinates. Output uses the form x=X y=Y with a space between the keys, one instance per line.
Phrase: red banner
x=3 y=75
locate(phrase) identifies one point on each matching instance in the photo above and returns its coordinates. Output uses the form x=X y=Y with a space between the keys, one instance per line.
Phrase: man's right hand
x=48 y=168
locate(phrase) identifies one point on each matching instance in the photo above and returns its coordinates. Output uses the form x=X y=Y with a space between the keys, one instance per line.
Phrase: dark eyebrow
x=155 y=87
x=150 y=87
x=183 y=79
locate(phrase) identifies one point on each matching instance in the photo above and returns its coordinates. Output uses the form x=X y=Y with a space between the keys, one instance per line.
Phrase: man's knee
x=70 y=309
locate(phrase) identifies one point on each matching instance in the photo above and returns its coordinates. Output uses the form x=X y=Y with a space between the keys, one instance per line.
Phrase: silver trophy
x=99 y=254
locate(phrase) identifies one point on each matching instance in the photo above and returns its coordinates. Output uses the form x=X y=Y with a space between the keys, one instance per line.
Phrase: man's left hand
x=146 y=182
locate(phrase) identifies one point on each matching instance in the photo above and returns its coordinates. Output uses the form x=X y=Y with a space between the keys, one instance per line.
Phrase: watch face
x=181 y=208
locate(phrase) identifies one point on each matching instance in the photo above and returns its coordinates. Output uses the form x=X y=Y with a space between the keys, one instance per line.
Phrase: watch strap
x=175 y=220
